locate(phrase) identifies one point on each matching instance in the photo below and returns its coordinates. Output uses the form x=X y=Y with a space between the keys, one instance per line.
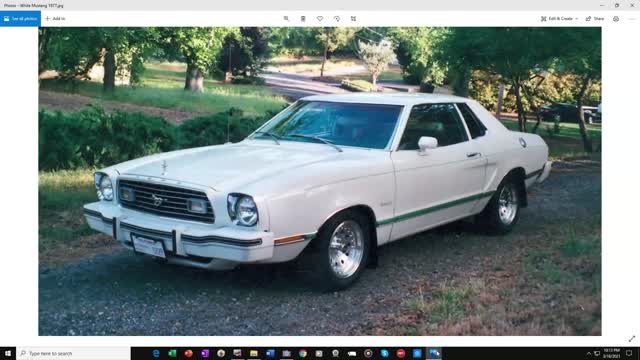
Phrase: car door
x=440 y=184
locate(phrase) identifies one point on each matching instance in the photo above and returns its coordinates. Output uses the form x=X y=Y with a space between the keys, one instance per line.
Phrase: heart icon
x=320 y=18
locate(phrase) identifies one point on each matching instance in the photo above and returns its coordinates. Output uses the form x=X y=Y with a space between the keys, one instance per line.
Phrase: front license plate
x=148 y=246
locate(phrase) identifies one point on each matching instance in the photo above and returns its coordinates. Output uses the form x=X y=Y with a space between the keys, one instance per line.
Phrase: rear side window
x=475 y=126
x=440 y=121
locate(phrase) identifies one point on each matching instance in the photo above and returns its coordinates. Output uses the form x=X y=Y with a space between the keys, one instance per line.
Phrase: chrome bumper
x=545 y=172
x=185 y=243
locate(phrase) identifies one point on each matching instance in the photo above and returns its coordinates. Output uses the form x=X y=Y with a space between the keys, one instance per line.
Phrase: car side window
x=440 y=121
x=475 y=126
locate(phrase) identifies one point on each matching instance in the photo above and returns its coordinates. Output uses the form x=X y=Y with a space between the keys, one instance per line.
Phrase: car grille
x=173 y=204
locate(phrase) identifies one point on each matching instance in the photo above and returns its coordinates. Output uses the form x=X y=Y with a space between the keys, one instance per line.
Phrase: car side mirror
x=426 y=143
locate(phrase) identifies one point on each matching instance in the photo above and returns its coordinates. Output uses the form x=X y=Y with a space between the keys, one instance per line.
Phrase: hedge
x=358 y=85
x=94 y=138
x=212 y=129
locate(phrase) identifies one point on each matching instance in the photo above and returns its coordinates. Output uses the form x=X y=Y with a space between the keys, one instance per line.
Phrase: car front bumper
x=184 y=242
x=546 y=169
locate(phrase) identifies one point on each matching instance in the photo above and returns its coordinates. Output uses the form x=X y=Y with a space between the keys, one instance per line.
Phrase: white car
x=338 y=175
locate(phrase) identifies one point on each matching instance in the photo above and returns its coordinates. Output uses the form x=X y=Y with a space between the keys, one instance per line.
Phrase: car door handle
x=473 y=154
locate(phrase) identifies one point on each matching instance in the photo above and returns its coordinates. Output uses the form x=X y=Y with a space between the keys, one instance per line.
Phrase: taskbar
x=319 y=353
x=383 y=353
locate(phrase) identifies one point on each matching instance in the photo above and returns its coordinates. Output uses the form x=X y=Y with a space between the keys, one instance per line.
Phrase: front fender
x=304 y=212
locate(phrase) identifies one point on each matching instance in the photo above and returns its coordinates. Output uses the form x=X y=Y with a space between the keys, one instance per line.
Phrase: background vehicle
x=567 y=113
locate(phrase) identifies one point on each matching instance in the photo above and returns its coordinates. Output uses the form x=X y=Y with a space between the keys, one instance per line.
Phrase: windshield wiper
x=272 y=135
x=317 y=138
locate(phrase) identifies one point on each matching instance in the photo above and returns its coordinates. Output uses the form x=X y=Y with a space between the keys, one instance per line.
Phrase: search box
x=72 y=353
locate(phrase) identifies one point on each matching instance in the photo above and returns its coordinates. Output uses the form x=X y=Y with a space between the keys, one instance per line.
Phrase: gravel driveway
x=123 y=294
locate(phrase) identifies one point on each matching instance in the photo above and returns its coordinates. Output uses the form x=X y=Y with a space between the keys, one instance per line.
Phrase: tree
x=114 y=41
x=376 y=57
x=417 y=52
x=245 y=53
x=122 y=50
x=332 y=38
x=73 y=52
x=584 y=59
x=296 y=41
x=198 y=46
x=514 y=54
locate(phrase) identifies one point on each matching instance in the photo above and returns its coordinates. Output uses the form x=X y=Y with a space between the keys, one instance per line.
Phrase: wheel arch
x=519 y=175
x=368 y=212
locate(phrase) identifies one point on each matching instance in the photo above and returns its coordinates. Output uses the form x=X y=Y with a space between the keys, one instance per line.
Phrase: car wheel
x=503 y=210
x=342 y=250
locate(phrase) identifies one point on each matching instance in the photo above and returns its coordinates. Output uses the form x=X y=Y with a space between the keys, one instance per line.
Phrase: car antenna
x=229 y=126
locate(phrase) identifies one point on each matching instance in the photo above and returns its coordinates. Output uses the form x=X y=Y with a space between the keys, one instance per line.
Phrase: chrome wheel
x=507 y=204
x=346 y=248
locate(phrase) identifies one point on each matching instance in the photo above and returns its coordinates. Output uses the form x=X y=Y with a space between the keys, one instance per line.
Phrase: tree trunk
x=326 y=52
x=522 y=117
x=43 y=49
x=228 y=76
x=195 y=79
x=461 y=88
x=534 y=107
x=374 y=79
x=537 y=124
x=136 y=69
x=230 y=67
x=500 y=100
x=588 y=147
x=109 y=78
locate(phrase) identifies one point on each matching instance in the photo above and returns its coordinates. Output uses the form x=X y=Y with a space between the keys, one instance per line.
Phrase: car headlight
x=242 y=209
x=104 y=187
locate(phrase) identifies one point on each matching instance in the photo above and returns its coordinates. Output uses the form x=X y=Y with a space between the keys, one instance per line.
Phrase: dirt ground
x=51 y=100
x=542 y=279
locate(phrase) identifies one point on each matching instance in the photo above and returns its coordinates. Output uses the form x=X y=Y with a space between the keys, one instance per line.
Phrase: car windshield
x=343 y=124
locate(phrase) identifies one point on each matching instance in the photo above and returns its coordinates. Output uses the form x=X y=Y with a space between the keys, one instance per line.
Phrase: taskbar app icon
x=294 y=353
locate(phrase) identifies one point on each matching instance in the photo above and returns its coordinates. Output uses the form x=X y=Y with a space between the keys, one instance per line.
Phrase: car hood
x=230 y=164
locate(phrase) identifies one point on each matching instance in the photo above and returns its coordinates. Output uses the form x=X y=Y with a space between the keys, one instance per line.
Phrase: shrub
x=416 y=49
x=247 y=80
x=247 y=50
x=95 y=138
x=358 y=85
x=483 y=87
x=218 y=128
x=57 y=141
x=427 y=87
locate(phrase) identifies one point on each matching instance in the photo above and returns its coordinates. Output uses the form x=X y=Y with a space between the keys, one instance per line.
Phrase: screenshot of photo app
x=262 y=181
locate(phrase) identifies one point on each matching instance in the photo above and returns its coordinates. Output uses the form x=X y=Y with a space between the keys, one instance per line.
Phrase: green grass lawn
x=162 y=87
x=61 y=195
x=567 y=143
x=393 y=73
x=312 y=65
x=569 y=262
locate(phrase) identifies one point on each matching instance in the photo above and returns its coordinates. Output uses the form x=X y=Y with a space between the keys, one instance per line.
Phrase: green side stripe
x=434 y=208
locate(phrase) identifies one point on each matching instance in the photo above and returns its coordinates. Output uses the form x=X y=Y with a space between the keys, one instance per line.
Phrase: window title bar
x=472 y=5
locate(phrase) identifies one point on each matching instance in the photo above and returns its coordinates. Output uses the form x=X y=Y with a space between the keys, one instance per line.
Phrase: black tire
x=327 y=278
x=490 y=219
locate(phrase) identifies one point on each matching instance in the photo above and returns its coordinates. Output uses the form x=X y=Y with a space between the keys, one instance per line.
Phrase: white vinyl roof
x=388 y=98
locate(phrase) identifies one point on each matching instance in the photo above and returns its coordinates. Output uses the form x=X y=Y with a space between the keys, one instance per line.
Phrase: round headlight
x=246 y=211
x=104 y=187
